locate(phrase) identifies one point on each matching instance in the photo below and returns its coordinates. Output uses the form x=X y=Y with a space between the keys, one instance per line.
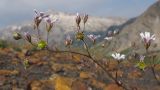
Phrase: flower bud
x=17 y=36
x=37 y=21
x=28 y=37
x=42 y=44
x=79 y=36
x=78 y=20
x=85 y=18
x=67 y=43
x=103 y=45
x=68 y=40
x=38 y=18
x=50 y=21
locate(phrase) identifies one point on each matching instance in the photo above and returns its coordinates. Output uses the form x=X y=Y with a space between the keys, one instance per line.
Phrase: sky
x=18 y=11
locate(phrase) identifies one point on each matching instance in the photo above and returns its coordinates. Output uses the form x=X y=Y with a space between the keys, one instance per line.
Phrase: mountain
x=129 y=34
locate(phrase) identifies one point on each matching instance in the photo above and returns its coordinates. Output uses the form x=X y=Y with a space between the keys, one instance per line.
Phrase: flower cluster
x=80 y=34
x=50 y=20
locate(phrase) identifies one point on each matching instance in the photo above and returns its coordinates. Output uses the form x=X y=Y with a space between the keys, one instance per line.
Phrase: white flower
x=108 y=38
x=118 y=56
x=93 y=37
x=147 y=38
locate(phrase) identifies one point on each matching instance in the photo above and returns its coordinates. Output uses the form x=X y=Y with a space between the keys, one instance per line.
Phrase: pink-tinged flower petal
x=41 y=14
x=147 y=35
x=77 y=14
x=142 y=35
x=93 y=37
x=51 y=19
x=153 y=37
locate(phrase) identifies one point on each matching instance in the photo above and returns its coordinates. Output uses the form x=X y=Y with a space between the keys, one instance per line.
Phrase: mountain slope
x=148 y=21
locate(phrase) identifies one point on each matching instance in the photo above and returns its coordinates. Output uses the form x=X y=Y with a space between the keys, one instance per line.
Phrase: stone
x=97 y=84
x=63 y=83
x=2 y=80
x=9 y=72
x=78 y=85
x=134 y=74
x=36 y=85
x=85 y=75
x=112 y=87
x=112 y=65
x=119 y=73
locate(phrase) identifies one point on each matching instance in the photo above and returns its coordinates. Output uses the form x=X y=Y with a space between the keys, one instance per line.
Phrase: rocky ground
x=50 y=71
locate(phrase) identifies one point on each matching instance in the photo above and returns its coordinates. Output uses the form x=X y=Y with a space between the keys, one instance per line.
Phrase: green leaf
x=141 y=65
x=42 y=44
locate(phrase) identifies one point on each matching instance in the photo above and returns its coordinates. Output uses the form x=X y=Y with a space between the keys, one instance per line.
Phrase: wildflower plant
x=80 y=35
x=147 y=39
x=118 y=57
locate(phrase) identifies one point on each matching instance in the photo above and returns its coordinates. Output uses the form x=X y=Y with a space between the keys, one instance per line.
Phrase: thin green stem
x=117 y=70
x=38 y=34
x=84 y=27
x=70 y=50
x=47 y=37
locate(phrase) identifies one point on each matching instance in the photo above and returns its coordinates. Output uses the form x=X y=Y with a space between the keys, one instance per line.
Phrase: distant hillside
x=148 y=21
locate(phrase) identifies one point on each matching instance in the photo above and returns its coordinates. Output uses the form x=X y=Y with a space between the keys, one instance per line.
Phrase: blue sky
x=17 y=11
